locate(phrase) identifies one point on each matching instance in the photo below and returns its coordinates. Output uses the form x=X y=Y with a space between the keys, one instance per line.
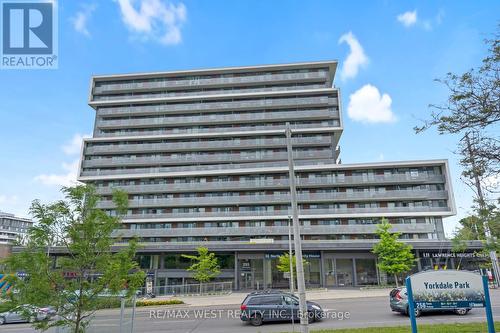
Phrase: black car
x=263 y=306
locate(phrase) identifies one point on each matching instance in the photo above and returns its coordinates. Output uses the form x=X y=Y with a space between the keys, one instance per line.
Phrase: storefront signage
x=304 y=255
x=454 y=255
x=447 y=289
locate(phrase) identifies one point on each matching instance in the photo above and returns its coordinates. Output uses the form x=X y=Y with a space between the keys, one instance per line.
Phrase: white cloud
x=408 y=18
x=355 y=59
x=154 y=19
x=74 y=146
x=70 y=170
x=81 y=19
x=366 y=105
x=67 y=178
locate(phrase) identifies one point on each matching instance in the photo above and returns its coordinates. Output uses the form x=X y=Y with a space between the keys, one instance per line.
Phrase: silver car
x=25 y=314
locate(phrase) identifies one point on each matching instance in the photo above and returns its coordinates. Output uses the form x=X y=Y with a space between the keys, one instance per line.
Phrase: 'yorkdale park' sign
x=448 y=289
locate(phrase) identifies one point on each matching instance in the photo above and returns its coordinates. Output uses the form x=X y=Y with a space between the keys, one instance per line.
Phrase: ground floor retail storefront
x=250 y=270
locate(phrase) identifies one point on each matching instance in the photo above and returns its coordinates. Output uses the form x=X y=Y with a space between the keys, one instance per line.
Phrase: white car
x=25 y=314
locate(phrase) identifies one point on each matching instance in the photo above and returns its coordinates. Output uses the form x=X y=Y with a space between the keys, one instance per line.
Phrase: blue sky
x=393 y=50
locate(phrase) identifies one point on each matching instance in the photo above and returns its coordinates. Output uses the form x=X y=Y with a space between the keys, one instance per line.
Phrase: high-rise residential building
x=12 y=229
x=202 y=154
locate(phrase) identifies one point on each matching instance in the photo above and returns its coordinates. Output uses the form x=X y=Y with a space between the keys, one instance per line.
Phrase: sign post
x=448 y=290
x=489 y=313
x=411 y=305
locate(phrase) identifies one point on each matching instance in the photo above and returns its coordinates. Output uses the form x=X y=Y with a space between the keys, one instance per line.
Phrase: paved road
x=363 y=312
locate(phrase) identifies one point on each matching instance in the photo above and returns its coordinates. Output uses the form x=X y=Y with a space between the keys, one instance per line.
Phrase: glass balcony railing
x=219 y=106
x=282 y=199
x=207 y=145
x=206 y=158
x=102 y=88
x=272 y=184
x=328 y=125
x=303 y=213
x=272 y=230
x=216 y=119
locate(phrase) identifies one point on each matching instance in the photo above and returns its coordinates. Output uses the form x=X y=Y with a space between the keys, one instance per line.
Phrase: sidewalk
x=237 y=297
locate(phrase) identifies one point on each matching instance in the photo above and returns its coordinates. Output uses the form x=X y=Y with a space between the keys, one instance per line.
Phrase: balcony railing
x=206 y=145
x=175 y=83
x=206 y=92
x=271 y=230
x=303 y=213
x=220 y=106
x=282 y=199
x=173 y=160
x=217 y=119
x=324 y=124
x=267 y=184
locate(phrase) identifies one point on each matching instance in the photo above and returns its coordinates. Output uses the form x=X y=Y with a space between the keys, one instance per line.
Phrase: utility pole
x=482 y=207
x=296 y=235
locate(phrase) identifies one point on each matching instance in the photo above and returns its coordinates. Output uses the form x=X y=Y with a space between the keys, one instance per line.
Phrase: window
x=255 y=301
x=274 y=300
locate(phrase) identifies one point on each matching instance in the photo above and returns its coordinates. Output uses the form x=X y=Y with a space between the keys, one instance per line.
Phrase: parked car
x=264 y=306
x=398 y=299
x=25 y=314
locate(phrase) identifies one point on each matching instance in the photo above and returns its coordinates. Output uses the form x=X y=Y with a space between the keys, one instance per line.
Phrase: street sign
x=448 y=289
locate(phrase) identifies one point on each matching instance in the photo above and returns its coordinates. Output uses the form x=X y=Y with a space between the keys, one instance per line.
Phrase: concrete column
x=236 y=287
x=322 y=272
x=162 y=261
x=354 y=275
x=419 y=264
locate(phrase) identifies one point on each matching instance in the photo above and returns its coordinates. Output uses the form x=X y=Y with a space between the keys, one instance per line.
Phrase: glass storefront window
x=330 y=273
x=366 y=272
x=251 y=274
x=344 y=272
x=312 y=272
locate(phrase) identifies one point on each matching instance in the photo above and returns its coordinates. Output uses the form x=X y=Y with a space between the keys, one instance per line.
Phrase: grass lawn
x=439 y=328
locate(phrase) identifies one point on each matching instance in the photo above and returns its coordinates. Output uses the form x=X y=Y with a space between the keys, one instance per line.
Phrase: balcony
x=201 y=159
x=282 y=199
x=271 y=184
x=206 y=145
x=303 y=213
x=218 y=119
x=271 y=231
x=193 y=83
x=220 y=106
x=318 y=126
x=162 y=93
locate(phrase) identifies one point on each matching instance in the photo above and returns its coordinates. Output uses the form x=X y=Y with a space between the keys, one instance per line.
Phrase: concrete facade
x=202 y=154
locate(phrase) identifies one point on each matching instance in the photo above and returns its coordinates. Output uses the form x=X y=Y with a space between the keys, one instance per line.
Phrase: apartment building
x=12 y=228
x=202 y=154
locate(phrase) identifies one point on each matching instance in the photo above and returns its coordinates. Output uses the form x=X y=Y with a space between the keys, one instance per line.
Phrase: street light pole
x=296 y=235
x=290 y=254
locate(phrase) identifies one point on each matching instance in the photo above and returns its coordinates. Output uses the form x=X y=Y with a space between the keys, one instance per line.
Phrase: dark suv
x=262 y=306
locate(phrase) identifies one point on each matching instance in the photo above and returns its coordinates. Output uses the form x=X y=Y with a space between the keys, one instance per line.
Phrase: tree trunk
x=396 y=279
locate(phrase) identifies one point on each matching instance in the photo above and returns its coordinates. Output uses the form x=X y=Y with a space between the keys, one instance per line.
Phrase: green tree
x=72 y=282
x=394 y=256
x=473 y=228
x=283 y=264
x=472 y=112
x=205 y=265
